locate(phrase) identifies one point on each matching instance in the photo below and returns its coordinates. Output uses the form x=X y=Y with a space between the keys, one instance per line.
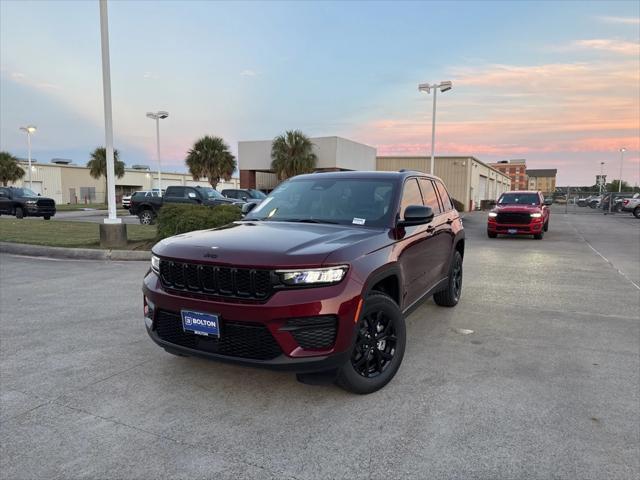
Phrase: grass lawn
x=69 y=234
x=69 y=207
x=64 y=207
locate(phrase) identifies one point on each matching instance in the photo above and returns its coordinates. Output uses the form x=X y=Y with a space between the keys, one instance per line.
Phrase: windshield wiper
x=309 y=220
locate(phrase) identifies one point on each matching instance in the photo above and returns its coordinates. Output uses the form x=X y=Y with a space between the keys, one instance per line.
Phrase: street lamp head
x=424 y=87
x=157 y=115
x=28 y=129
x=444 y=86
x=623 y=149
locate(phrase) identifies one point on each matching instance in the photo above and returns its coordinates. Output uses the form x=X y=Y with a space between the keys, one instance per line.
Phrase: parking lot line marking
x=622 y=274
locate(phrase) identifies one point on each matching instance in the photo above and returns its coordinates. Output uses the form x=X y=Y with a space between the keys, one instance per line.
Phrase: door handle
x=430 y=228
x=449 y=221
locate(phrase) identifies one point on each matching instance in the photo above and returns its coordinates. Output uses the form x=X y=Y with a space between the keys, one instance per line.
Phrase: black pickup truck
x=23 y=202
x=146 y=208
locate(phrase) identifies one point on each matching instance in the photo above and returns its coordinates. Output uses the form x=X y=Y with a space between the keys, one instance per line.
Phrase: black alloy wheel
x=450 y=295
x=380 y=339
x=375 y=345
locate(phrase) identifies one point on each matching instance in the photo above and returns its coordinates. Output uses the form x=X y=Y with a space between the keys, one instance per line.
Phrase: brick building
x=516 y=170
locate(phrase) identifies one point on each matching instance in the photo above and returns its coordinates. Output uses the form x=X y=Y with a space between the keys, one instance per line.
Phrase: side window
x=444 y=196
x=176 y=192
x=410 y=195
x=429 y=195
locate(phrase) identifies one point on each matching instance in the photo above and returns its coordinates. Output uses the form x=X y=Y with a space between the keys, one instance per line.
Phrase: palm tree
x=10 y=171
x=98 y=166
x=210 y=157
x=291 y=154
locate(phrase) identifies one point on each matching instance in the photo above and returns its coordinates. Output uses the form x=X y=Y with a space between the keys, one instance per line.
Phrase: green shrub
x=176 y=219
x=458 y=204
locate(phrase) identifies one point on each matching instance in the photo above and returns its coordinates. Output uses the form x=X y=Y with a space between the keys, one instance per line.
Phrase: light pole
x=425 y=87
x=108 y=121
x=601 y=177
x=157 y=116
x=622 y=150
x=29 y=129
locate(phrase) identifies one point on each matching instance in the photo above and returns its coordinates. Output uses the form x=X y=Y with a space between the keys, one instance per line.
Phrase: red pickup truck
x=519 y=213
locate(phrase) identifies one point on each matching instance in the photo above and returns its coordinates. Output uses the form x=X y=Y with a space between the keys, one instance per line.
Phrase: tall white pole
x=29 y=157
x=621 y=162
x=433 y=131
x=158 y=150
x=108 y=124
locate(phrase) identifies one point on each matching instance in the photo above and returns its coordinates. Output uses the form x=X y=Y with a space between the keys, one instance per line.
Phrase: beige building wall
x=68 y=183
x=468 y=179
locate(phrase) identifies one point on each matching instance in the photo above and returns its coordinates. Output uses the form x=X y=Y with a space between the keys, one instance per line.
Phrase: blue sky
x=555 y=83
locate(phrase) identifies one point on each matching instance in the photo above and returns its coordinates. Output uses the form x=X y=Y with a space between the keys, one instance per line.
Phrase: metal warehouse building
x=68 y=183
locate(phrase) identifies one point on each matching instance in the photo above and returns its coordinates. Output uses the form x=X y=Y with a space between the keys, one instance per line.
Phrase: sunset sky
x=555 y=83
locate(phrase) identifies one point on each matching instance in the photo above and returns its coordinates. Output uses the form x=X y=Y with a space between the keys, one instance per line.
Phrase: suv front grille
x=46 y=202
x=313 y=333
x=514 y=218
x=215 y=280
x=237 y=339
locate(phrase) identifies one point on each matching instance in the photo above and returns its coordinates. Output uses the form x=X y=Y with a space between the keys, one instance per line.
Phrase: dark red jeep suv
x=315 y=279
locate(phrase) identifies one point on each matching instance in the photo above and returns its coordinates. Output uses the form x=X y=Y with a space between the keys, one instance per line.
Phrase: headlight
x=536 y=215
x=313 y=276
x=493 y=214
x=155 y=263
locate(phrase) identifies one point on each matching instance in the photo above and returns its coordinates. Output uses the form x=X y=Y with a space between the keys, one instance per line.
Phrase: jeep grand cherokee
x=316 y=279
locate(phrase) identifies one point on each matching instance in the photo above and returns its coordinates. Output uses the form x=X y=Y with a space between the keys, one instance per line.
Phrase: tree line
x=210 y=158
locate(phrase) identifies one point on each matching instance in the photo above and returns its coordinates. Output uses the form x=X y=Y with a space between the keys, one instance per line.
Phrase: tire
x=19 y=212
x=147 y=217
x=47 y=217
x=546 y=226
x=450 y=296
x=636 y=212
x=492 y=235
x=539 y=236
x=368 y=368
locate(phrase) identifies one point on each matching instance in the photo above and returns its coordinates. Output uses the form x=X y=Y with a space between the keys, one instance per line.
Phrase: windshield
x=343 y=201
x=24 y=192
x=210 y=192
x=519 y=199
x=256 y=194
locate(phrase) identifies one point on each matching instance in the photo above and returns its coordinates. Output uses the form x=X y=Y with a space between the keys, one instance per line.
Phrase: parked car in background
x=317 y=283
x=520 y=213
x=246 y=194
x=146 y=207
x=594 y=202
x=23 y=202
x=126 y=201
x=618 y=201
x=632 y=205
x=142 y=194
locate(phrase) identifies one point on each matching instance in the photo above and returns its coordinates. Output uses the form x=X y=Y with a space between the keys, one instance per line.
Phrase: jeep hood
x=269 y=244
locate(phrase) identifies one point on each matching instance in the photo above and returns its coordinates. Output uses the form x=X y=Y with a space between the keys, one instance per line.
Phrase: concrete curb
x=74 y=253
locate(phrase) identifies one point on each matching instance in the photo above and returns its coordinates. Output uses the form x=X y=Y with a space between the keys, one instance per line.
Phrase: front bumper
x=37 y=211
x=532 y=228
x=341 y=301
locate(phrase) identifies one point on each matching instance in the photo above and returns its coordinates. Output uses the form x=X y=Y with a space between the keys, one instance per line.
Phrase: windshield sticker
x=358 y=221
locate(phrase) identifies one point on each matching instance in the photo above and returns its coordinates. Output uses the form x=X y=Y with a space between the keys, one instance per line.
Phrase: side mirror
x=244 y=198
x=416 y=215
x=247 y=207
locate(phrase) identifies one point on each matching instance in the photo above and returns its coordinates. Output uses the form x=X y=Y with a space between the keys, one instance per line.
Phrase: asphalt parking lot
x=546 y=386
